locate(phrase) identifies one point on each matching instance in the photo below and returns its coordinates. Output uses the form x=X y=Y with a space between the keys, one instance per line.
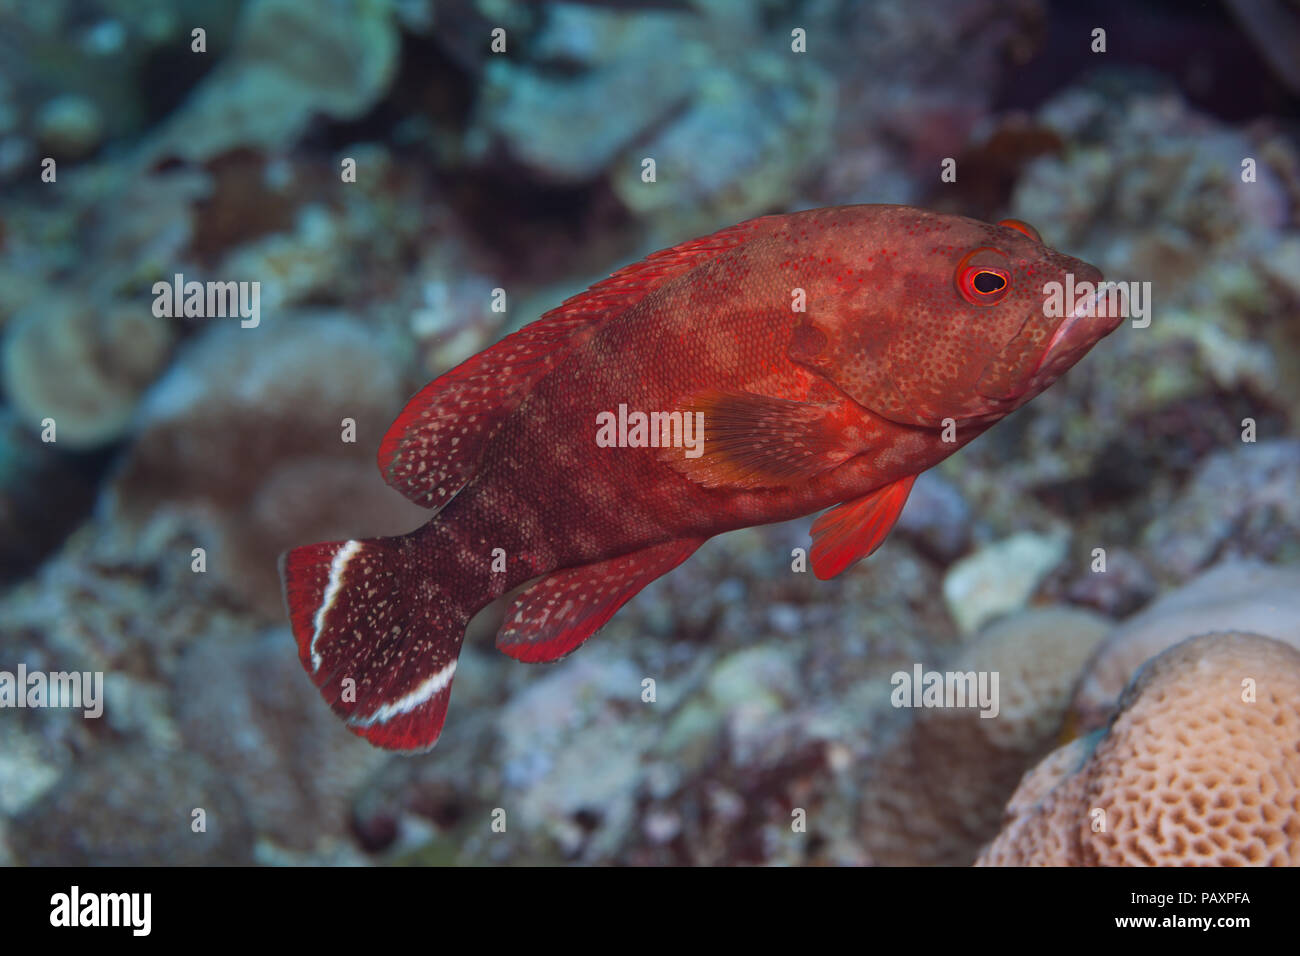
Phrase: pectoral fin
x=849 y=532
x=756 y=441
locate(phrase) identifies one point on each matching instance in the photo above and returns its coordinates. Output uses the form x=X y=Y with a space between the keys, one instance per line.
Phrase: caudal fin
x=377 y=638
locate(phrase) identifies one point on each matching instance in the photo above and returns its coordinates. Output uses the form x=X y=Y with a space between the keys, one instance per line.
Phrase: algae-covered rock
x=1000 y=577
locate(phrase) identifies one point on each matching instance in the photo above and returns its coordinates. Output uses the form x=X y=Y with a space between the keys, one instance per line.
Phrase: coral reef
x=762 y=706
x=1152 y=191
x=88 y=75
x=82 y=365
x=1199 y=767
x=1122 y=587
x=114 y=798
x=1240 y=503
x=265 y=91
x=936 y=518
x=762 y=118
x=31 y=470
x=735 y=122
x=248 y=437
x=557 y=123
x=522 y=172
x=295 y=776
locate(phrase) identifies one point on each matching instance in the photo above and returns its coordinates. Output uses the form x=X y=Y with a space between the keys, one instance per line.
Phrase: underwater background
x=1173 y=448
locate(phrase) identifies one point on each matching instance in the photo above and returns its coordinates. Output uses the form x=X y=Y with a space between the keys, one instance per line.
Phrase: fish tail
x=377 y=635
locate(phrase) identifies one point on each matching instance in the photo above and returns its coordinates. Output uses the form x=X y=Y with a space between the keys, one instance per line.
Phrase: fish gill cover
x=894 y=387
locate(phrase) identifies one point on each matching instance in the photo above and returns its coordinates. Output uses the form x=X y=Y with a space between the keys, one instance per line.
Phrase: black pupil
x=987 y=282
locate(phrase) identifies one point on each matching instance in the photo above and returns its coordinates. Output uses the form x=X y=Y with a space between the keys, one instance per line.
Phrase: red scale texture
x=842 y=401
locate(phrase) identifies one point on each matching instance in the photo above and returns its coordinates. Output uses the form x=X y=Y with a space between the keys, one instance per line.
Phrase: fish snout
x=1077 y=309
x=1093 y=316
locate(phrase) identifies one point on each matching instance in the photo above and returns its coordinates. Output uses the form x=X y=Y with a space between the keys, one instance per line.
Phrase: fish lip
x=1061 y=345
x=1061 y=342
x=1064 y=328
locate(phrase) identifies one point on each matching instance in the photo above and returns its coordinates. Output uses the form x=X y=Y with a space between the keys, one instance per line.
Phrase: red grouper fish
x=791 y=363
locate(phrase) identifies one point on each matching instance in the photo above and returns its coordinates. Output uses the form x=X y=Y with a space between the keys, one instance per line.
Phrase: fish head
x=950 y=318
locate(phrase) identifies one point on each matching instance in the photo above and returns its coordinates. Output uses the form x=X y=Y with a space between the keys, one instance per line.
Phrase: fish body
x=828 y=356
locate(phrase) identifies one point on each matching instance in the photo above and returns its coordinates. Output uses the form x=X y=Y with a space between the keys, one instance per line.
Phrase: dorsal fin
x=434 y=446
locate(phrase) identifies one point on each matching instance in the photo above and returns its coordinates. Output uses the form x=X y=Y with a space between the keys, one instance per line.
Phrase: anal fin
x=850 y=531
x=554 y=616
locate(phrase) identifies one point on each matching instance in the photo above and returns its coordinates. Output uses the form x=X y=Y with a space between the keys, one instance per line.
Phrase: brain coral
x=1200 y=767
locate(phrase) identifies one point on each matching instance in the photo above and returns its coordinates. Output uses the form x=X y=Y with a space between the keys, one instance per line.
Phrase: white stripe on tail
x=337 y=567
x=411 y=701
x=378 y=640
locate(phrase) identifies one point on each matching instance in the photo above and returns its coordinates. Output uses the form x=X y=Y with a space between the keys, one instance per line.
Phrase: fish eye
x=1020 y=226
x=983 y=285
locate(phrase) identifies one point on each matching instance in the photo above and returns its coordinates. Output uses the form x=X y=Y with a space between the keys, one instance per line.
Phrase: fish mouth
x=1086 y=324
x=1061 y=337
